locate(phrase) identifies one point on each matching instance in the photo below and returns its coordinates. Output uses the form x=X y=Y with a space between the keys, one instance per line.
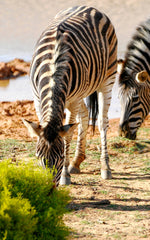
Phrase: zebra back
x=137 y=56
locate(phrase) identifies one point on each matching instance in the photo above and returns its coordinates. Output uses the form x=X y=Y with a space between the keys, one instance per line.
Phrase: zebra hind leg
x=104 y=98
x=74 y=166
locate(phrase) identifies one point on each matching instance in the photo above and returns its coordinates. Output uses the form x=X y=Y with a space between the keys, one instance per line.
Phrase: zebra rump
x=134 y=82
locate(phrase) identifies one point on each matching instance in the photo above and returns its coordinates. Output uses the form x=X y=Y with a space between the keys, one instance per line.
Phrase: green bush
x=30 y=208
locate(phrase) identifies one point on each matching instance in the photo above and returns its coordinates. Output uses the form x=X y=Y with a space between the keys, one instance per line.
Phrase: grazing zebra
x=75 y=57
x=134 y=82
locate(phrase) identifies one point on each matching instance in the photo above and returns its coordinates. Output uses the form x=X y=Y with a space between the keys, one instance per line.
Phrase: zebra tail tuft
x=92 y=104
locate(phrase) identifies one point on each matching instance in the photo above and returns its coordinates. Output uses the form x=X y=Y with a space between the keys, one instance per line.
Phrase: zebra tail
x=92 y=104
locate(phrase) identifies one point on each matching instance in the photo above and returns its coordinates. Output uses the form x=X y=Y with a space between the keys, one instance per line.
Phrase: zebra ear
x=142 y=76
x=34 y=129
x=67 y=129
x=120 y=64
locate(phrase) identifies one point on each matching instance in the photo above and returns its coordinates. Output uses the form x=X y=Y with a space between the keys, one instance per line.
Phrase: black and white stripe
x=74 y=57
x=134 y=82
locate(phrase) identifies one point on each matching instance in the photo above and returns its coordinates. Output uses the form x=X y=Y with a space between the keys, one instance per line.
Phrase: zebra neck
x=53 y=113
x=53 y=103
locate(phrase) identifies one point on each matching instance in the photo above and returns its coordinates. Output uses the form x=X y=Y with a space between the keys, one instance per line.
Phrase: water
x=23 y=21
x=15 y=89
x=115 y=108
x=20 y=89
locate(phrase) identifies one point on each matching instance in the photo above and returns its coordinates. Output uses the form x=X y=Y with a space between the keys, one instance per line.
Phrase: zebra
x=75 y=57
x=134 y=82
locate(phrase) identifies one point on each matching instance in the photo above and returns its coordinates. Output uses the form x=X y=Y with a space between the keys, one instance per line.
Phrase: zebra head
x=134 y=94
x=50 y=145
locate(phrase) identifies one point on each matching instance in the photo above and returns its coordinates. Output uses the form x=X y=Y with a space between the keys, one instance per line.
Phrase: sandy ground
x=27 y=27
x=100 y=210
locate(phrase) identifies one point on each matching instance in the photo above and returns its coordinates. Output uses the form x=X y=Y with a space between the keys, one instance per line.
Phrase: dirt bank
x=11 y=125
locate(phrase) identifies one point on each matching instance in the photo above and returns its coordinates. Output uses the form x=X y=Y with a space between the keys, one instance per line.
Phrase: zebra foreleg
x=82 y=118
x=104 y=103
x=71 y=114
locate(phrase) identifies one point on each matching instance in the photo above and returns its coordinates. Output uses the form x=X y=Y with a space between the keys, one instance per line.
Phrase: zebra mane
x=60 y=54
x=136 y=57
x=58 y=82
x=126 y=78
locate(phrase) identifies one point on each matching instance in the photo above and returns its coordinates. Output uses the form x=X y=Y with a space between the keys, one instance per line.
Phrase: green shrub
x=30 y=208
x=17 y=217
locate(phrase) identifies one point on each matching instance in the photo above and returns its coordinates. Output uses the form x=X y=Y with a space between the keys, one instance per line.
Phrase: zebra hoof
x=106 y=174
x=65 y=180
x=73 y=170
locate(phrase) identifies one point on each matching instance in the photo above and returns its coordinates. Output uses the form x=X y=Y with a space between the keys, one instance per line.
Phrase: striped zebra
x=134 y=82
x=75 y=57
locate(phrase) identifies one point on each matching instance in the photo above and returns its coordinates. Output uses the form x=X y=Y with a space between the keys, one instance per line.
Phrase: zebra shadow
x=118 y=175
x=131 y=176
x=108 y=205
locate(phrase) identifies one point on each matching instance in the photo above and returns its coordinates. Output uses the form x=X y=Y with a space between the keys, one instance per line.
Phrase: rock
x=14 y=68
